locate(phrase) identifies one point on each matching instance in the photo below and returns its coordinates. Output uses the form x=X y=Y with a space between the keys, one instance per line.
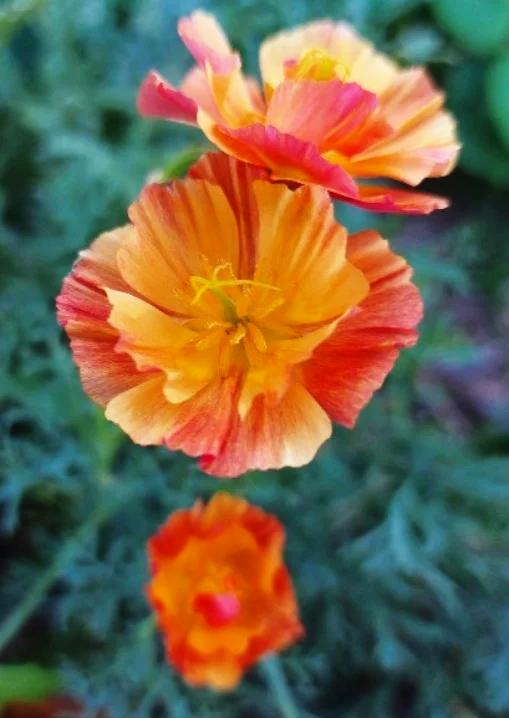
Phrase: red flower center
x=218 y=609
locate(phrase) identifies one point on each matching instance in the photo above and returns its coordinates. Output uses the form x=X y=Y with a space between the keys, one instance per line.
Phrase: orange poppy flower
x=333 y=111
x=221 y=591
x=234 y=318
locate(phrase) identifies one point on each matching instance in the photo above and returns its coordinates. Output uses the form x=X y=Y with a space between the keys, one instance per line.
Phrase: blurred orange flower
x=332 y=111
x=234 y=318
x=221 y=591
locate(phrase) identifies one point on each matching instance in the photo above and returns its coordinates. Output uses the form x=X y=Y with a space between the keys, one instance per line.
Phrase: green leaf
x=497 y=96
x=478 y=26
x=28 y=682
x=13 y=16
x=178 y=165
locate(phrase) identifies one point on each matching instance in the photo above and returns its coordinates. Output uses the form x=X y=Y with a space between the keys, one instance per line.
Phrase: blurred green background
x=398 y=532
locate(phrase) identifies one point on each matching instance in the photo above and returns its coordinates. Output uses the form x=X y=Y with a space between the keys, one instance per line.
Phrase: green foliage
x=28 y=680
x=481 y=27
x=398 y=532
x=497 y=94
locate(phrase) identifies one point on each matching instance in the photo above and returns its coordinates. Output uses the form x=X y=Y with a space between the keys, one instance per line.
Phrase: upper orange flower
x=221 y=591
x=234 y=317
x=332 y=111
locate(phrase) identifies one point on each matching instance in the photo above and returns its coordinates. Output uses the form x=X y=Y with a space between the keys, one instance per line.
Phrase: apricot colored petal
x=361 y=63
x=83 y=309
x=149 y=335
x=411 y=98
x=184 y=229
x=207 y=43
x=428 y=149
x=317 y=112
x=287 y=157
x=236 y=180
x=196 y=86
x=352 y=364
x=157 y=98
x=301 y=250
x=272 y=436
x=396 y=201
x=143 y=411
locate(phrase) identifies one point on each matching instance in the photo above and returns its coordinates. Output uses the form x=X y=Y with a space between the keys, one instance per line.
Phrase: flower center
x=217 y=287
x=316 y=64
x=218 y=609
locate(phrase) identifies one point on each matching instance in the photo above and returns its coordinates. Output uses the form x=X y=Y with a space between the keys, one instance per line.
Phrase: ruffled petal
x=301 y=250
x=357 y=57
x=236 y=180
x=83 y=309
x=319 y=112
x=272 y=436
x=352 y=364
x=395 y=200
x=143 y=411
x=184 y=230
x=426 y=149
x=157 y=98
x=287 y=157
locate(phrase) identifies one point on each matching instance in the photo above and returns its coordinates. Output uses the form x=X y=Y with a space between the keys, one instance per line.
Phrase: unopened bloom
x=221 y=591
x=234 y=318
x=332 y=111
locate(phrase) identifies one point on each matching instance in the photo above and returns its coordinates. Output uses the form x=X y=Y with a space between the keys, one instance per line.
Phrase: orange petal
x=352 y=364
x=83 y=309
x=301 y=250
x=143 y=412
x=184 y=229
x=157 y=98
x=287 y=434
x=236 y=180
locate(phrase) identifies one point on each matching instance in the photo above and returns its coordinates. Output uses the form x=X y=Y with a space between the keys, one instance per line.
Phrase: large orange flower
x=222 y=594
x=332 y=111
x=234 y=318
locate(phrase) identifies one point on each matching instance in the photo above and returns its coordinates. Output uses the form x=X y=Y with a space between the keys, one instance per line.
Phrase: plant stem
x=276 y=680
x=11 y=625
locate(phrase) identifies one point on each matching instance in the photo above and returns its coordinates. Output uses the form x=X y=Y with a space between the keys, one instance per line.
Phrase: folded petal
x=395 y=200
x=319 y=112
x=287 y=157
x=270 y=437
x=236 y=180
x=425 y=149
x=157 y=98
x=300 y=249
x=352 y=364
x=143 y=411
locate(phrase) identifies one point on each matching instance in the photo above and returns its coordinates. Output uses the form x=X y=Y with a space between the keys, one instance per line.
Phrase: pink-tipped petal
x=288 y=158
x=207 y=43
x=320 y=112
x=395 y=200
x=157 y=98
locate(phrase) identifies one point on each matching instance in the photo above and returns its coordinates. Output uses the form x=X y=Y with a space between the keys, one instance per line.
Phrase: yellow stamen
x=317 y=64
x=215 y=285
